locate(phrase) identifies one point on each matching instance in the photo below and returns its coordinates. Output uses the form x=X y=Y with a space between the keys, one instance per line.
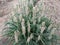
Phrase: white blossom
x=15 y=18
x=31 y=36
x=34 y=11
x=50 y=37
x=23 y=30
x=22 y=21
x=20 y=17
x=43 y=23
x=23 y=27
x=42 y=29
x=16 y=36
x=27 y=11
x=18 y=33
x=39 y=37
x=28 y=26
x=31 y=2
x=50 y=26
x=28 y=39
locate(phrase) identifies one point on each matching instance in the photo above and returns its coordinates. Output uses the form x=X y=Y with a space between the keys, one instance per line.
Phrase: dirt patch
x=9 y=0
x=5 y=7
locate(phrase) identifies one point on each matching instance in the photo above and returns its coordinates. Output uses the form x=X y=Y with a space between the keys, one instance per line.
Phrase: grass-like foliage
x=29 y=29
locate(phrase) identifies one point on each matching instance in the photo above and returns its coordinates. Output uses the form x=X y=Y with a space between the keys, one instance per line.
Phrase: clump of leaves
x=30 y=29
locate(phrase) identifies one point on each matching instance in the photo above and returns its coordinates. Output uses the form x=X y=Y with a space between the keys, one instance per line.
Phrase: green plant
x=30 y=29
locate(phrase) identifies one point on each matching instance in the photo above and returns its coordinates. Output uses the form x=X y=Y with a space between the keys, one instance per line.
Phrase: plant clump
x=30 y=28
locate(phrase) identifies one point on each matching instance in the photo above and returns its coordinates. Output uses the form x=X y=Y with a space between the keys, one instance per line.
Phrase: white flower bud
x=28 y=40
x=23 y=30
x=31 y=2
x=16 y=36
x=23 y=21
x=31 y=36
x=34 y=8
x=18 y=32
x=15 y=19
x=23 y=27
x=42 y=29
x=50 y=26
x=34 y=11
x=28 y=26
x=39 y=37
x=43 y=23
x=20 y=17
x=50 y=37
x=27 y=10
